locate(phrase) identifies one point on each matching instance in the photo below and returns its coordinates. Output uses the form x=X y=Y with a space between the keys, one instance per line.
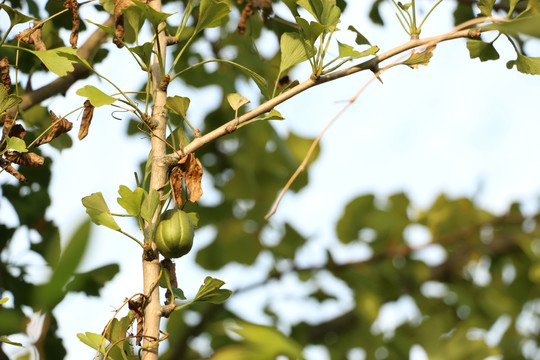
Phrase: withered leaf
x=119 y=19
x=5 y=165
x=136 y=307
x=4 y=73
x=32 y=37
x=24 y=159
x=76 y=21
x=191 y=170
x=59 y=127
x=17 y=131
x=8 y=121
x=246 y=13
x=420 y=58
x=88 y=113
x=176 y=185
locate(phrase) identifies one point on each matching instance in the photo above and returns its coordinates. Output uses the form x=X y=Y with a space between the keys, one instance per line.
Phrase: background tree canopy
x=450 y=278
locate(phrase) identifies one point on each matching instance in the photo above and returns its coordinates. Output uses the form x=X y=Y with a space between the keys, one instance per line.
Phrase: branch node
x=166 y=310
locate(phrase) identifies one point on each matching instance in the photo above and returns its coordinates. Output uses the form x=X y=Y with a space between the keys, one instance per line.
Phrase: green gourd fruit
x=174 y=234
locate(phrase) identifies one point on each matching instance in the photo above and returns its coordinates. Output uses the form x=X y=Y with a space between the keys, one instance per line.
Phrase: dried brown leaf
x=33 y=37
x=24 y=159
x=5 y=165
x=88 y=113
x=136 y=307
x=76 y=21
x=246 y=13
x=191 y=170
x=8 y=121
x=176 y=185
x=59 y=127
x=4 y=73
x=17 y=131
x=119 y=5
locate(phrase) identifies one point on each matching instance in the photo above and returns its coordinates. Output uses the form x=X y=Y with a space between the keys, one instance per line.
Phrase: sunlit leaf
x=99 y=212
x=525 y=64
x=210 y=14
x=360 y=39
x=60 y=60
x=348 y=51
x=95 y=341
x=130 y=200
x=155 y=17
x=8 y=101
x=312 y=29
x=211 y=291
x=482 y=50
x=178 y=104
x=325 y=11
x=236 y=101
x=420 y=58
x=528 y=25
x=16 y=144
x=97 y=97
x=485 y=6
x=149 y=205
x=294 y=50
x=15 y=16
x=134 y=18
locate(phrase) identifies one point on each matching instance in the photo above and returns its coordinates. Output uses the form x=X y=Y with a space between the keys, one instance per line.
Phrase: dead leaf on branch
x=87 y=116
x=191 y=170
x=8 y=122
x=32 y=37
x=5 y=165
x=17 y=131
x=24 y=159
x=176 y=186
x=137 y=308
x=420 y=58
x=72 y=6
x=60 y=126
x=119 y=5
x=4 y=73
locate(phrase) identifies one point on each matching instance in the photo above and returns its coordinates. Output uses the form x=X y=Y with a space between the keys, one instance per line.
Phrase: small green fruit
x=174 y=234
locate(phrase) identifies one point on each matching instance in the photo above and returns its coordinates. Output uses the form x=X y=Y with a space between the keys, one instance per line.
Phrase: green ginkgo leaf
x=99 y=212
x=97 y=97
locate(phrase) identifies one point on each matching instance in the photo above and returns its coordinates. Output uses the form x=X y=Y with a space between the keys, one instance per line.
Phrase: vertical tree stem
x=151 y=266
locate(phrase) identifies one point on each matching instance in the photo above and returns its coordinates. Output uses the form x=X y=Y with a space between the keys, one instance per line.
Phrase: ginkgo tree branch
x=62 y=84
x=372 y=64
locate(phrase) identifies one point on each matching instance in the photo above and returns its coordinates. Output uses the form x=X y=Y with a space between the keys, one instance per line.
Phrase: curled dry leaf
x=4 y=73
x=17 y=131
x=24 y=159
x=88 y=113
x=72 y=6
x=191 y=169
x=5 y=165
x=176 y=185
x=246 y=13
x=119 y=5
x=136 y=307
x=8 y=122
x=59 y=127
x=32 y=37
